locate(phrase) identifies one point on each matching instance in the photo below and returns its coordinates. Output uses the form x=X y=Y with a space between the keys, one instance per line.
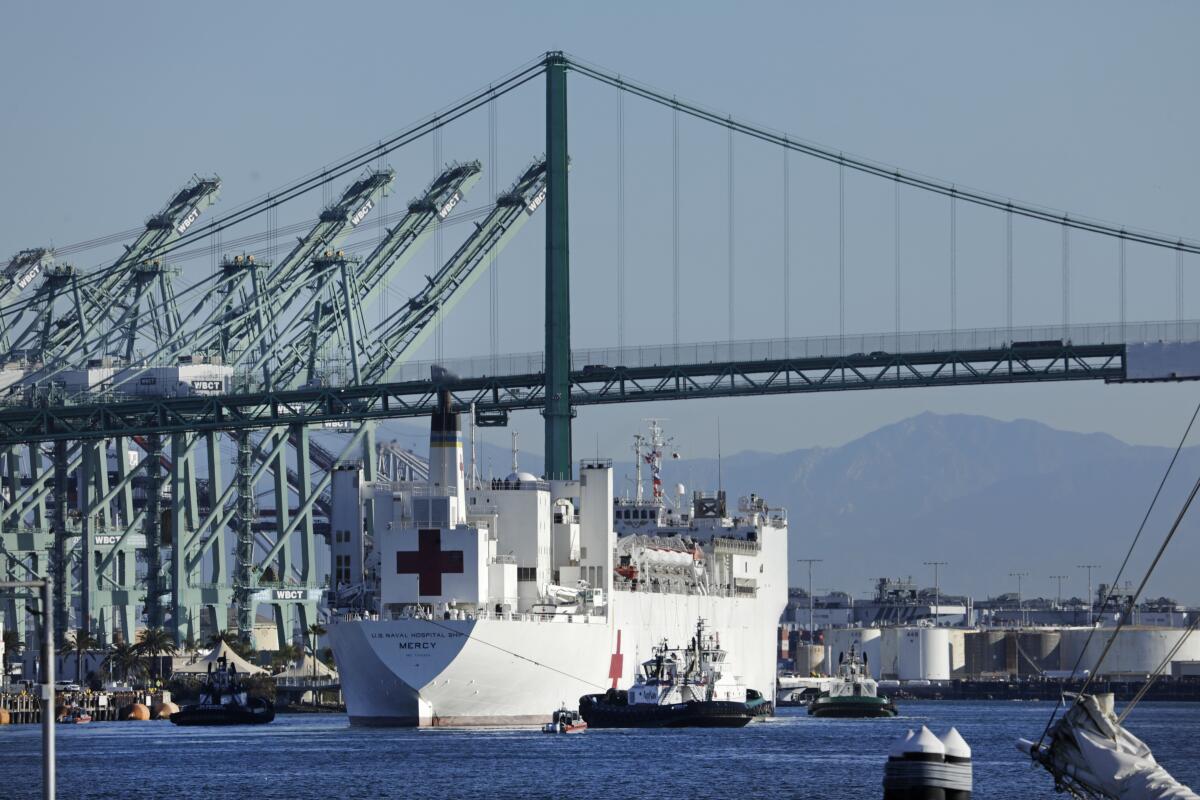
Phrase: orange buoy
x=5 y=717
x=165 y=710
x=134 y=711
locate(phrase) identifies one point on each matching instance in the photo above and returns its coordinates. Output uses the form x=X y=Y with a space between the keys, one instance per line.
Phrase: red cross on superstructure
x=429 y=562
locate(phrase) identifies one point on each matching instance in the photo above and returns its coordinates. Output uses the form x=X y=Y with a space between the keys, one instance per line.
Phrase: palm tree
x=125 y=658
x=154 y=643
x=82 y=642
x=315 y=631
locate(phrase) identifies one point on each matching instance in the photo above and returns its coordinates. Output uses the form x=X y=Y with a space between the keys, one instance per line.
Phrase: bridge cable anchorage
x=880 y=170
x=1121 y=570
x=620 y=218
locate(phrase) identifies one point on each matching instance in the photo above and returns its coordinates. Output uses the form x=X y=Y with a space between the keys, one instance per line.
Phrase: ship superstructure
x=488 y=601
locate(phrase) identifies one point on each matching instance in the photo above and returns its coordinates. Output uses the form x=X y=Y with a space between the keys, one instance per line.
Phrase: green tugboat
x=852 y=693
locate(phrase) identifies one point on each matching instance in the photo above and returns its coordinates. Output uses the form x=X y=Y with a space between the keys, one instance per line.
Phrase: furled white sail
x=1091 y=754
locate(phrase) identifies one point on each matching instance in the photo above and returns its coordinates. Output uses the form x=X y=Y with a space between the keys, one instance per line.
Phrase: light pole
x=48 y=656
x=1020 y=605
x=1089 y=568
x=810 y=562
x=937 y=591
x=1060 y=579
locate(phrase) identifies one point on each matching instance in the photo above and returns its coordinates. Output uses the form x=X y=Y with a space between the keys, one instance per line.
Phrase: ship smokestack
x=446 y=477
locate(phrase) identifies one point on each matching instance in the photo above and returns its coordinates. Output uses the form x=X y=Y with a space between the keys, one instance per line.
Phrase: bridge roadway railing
x=813 y=347
x=640 y=374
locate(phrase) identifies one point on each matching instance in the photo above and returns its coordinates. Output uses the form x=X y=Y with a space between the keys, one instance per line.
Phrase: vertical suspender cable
x=1008 y=286
x=896 y=257
x=620 y=218
x=494 y=272
x=787 y=254
x=729 y=223
x=953 y=262
x=842 y=257
x=1179 y=287
x=675 y=230
x=1066 y=279
x=437 y=248
x=1121 y=284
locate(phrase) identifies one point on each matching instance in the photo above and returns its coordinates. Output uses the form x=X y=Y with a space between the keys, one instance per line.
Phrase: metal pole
x=48 y=657
x=1089 y=568
x=811 y=627
x=1060 y=579
x=1020 y=605
x=557 y=410
x=937 y=591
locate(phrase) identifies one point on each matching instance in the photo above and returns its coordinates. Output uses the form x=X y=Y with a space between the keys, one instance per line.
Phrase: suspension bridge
x=124 y=388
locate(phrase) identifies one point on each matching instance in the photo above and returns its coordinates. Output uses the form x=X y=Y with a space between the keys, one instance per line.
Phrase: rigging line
x=511 y=653
x=885 y=171
x=1162 y=665
x=1066 y=279
x=438 y=244
x=1125 y=562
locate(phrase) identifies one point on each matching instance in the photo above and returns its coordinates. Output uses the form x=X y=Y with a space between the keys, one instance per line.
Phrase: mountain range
x=991 y=498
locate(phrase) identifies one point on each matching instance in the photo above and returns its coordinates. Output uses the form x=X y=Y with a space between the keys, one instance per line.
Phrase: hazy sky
x=1085 y=106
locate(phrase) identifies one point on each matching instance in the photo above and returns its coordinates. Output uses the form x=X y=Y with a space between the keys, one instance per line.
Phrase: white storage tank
x=809 y=658
x=922 y=654
x=865 y=640
x=1137 y=650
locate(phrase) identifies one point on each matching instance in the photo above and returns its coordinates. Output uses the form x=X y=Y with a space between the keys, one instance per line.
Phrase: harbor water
x=321 y=756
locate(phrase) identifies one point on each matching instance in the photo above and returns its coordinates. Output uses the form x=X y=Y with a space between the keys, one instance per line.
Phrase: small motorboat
x=853 y=693
x=565 y=720
x=224 y=701
x=678 y=688
x=76 y=716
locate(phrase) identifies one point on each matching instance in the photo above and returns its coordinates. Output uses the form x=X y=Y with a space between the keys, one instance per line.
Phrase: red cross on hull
x=429 y=562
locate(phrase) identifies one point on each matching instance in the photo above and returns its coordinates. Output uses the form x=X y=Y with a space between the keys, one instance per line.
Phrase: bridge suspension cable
x=884 y=171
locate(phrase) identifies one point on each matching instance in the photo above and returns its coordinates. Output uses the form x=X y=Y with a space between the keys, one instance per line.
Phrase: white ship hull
x=415 y=672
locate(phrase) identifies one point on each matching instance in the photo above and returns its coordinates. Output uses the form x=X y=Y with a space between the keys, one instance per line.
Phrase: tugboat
x=224 y=701
x=677 y=688
x=853 y=693
x=565 y=720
